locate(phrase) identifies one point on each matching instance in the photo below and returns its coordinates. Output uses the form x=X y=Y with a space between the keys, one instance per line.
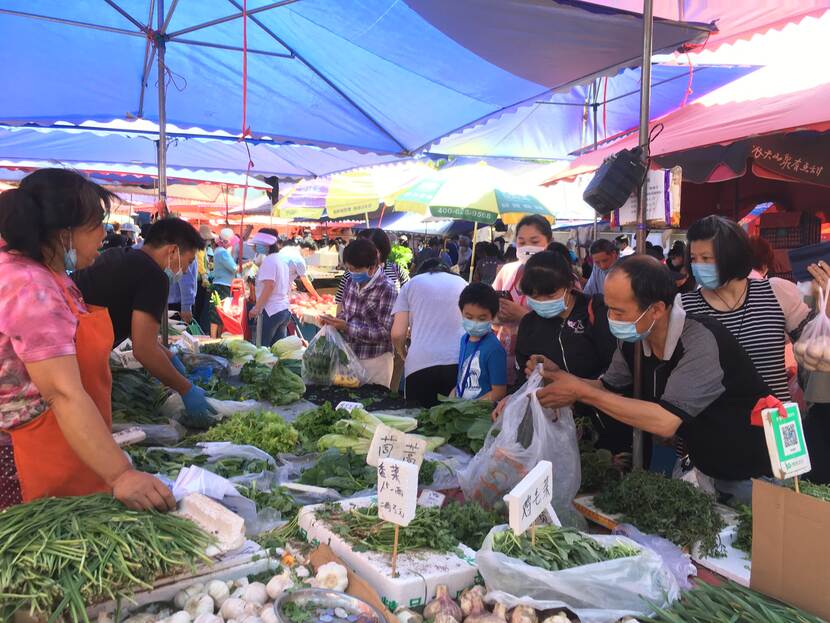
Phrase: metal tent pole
x=162 y=92
x=645 y=102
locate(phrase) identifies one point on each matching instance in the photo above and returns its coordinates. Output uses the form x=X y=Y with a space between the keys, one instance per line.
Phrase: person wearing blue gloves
x=134 y=285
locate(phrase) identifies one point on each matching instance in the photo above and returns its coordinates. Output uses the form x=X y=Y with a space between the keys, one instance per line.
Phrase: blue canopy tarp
x=373 y=75
x=563 y=123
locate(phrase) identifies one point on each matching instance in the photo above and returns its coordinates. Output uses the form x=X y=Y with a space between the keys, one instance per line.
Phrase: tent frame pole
x=645 y=108
x=162 y=93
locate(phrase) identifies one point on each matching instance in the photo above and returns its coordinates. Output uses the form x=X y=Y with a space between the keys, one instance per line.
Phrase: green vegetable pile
x=59 y=555
x=822 y=492
x=277 y=385
x=159 y=461
x=277 y=498
x=315 y=423
x=743 y=538
x=320 y=361
x=673 y=509
x=356 y=432
x=598 y=470
x=463 y=423
x=366 y=532
x=265 y=430
x=558 y=548
x=136 y=397
x=345 y=472
x=728 y=603
x=217 y=349
x=470 y=522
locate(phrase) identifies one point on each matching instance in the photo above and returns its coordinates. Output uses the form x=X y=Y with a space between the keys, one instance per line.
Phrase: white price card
x=430 y=499
x=348 y=406
x=530 y=498
x=411 y=450
x=385 y=441
x=785 y=442
x=397 y=491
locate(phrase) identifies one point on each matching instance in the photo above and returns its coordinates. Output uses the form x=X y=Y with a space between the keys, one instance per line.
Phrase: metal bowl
x=327 y=599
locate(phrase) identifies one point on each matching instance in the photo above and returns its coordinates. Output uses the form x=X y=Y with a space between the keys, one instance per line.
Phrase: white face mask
x=525 y=252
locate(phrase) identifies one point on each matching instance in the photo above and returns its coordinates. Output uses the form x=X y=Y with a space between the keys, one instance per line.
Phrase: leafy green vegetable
x=345 y=472
x=320 y=360
x=402 y=256
x=822 y=492
x=673 y=509
x=277 y=498
x=137 y=397
x=463 y=423
x=558 y=548
x=743 y=538
x=597 y=470
x=277 y=385
x=470 y=523
x=159 y=461
x=315 y=423
x=264 y=429
x=218 y=349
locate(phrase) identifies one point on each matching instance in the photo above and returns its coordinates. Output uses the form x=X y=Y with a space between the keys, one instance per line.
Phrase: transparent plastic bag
x=329 y=360
x=527 y=433
x=602 y=592
x=676 y=561
x=812 y=350
x=157 y=434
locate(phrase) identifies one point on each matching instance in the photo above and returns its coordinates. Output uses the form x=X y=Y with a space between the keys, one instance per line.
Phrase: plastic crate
x=787 y=230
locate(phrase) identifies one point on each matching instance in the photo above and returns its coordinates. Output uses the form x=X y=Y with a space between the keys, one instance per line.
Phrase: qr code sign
x=789 y=436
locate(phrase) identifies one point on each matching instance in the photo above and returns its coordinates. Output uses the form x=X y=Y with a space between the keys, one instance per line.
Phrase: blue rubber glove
x=177 y=363
x=199 y=413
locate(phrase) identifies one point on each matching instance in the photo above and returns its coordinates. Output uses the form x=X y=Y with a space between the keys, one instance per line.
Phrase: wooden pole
x=473 y=256
x=395 y=552
x=533 y=535
x=797 y=487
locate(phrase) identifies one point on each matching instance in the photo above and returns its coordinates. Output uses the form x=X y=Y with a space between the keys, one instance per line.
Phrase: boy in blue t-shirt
x=482 y=364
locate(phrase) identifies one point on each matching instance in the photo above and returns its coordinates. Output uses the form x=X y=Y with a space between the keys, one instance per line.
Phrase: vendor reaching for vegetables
x=133 y=285
x=698 y=382
x=55 y=412
x=365 y=319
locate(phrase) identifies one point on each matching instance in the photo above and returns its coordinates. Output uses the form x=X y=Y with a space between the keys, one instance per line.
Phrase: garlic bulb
x=466 y=598
x=332 y=576
x=269 y=615
x=180 y=617
x=442 y=617
x=442 y=604
x=199 y=604
x=278 y=584
x=500 y=610
x=233 y=608
x=255 y=593
x=218 y=591
x=559 y=617
x=524 y=614
x=480 y=614
x=207 y=618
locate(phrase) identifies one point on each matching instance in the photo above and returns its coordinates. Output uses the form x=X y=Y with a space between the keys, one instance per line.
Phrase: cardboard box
x=790 y=547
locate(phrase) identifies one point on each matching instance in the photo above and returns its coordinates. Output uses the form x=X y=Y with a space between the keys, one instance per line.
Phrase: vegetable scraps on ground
x=728 y=603
x=265 y=430
x=463 y=423
x=673 y=509
x=58 y=555
x=162 y=461
x=137 y=397
x=558 y=548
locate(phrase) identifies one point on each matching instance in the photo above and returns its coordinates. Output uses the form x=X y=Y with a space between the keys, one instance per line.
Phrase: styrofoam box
x=419 y=572
x=735 y=565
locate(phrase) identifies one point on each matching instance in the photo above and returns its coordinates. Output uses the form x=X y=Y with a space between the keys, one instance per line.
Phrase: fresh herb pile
x=743 y=538
x=558 y=548
x=673 y=509
x=463 y=423
x=277 y=385
x=822 y=492
x=598 y=470
x=728 y=603
x=59 y=555
x=279 y=536
x=136 y=397
x=366 y=532
x=313 y=424
x=470 y=522
x=265 y=430
x=159 y=461
x=277 y=498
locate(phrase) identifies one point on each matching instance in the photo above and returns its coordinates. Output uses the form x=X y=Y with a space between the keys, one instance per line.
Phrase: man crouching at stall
x=697 y=382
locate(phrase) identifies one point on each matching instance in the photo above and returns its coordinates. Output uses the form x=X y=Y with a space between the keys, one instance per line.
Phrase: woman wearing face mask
x=365 y=316
x=760 y=313
x=533 y=235
x=55 y=382
x=273 y=283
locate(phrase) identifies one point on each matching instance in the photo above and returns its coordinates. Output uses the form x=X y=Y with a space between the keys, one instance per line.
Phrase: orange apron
x=46 y=464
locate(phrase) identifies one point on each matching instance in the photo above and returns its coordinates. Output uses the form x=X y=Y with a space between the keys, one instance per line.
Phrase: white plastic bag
x=528 y=433
x=329 y=360
x=602 y=592
x=812 y=350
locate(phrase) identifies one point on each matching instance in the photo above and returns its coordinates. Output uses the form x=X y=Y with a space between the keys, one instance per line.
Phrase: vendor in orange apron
x=46 y=464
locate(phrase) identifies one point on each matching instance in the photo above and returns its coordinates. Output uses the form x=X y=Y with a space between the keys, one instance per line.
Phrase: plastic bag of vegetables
x=812 y=350
x=598 y=592
x=328 y=360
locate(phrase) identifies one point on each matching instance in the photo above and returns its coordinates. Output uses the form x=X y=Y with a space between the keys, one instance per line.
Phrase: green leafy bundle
x=345 y=472
x=822 y=492
x=598 y=470
x=558 y=548
x=59 y=555
x=217 y=349
x=137 y=397
x=277 y=498
x=159 y=461
x=728 y=603
x=265 y=430
x=277 y=385
x=673 y=509
x=463 y=423
x=470 y=522
x=743 y=538
x=314 y=423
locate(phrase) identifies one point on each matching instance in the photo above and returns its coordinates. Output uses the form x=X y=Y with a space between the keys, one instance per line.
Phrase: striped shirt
x=772 y=310
x=394 y=273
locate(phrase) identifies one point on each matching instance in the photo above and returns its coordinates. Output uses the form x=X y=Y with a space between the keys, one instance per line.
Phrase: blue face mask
x=627 y=331
x=476 y=328
x=547 y=309
x=361 y=278
x=261 y=249
x=174 y=277
x=706 y=275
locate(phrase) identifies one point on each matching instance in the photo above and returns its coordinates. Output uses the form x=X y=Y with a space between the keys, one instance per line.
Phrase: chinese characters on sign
x=389 y=443
x=397 y=491
x=785 y=161
x=531 y=497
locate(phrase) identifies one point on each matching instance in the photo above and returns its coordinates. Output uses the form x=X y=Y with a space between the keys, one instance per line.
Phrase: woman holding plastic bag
x=365 y=317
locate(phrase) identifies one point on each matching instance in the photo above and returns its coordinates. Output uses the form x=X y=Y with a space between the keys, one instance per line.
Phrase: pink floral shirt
x=36 y=324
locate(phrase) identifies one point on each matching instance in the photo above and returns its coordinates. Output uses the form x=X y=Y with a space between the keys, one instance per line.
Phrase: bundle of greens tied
x=463 y=423
x=59 y=555
x=136 y=397
x=277 y=385
x=170 y=463
x=558 y=548
x=673 y=509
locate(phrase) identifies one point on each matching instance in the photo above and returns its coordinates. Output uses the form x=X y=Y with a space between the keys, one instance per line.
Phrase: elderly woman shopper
x=365 y=316
x=55 y=382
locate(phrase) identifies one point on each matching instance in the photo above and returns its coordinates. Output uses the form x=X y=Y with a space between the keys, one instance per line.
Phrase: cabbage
x=290 y=347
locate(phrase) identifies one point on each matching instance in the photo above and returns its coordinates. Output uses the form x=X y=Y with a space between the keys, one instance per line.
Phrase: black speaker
x=618 y=177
